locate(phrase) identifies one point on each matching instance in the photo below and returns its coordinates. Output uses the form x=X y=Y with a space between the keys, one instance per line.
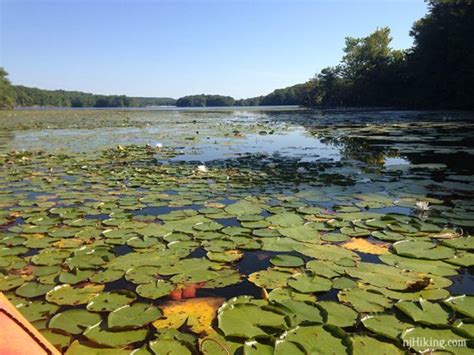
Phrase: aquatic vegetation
x=130 y=248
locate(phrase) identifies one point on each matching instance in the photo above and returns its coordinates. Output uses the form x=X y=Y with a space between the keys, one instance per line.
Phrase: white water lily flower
x=158 y=145
x=202 y=169
x=301 y=170
x=422 y=206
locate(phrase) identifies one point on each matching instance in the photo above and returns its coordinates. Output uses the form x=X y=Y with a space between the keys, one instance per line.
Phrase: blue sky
x=177 y=48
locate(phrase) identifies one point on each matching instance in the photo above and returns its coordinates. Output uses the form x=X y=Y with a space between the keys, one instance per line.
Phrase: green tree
x=441 y=61
x=6 y=91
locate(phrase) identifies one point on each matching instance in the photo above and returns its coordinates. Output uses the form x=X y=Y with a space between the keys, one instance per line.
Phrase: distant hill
x=29 y=97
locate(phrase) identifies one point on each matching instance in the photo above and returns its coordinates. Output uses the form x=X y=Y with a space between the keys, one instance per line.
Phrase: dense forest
x=205 y=100
x=436 y=73
x=22 y=96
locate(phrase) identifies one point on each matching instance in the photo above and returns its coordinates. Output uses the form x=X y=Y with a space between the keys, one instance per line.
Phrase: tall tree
x=6 y=93
x=442 y=59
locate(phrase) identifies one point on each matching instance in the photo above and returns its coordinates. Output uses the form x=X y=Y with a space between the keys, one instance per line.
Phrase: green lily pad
x=424 y=312
x=109 y=301
x=101 y=336
x=248 y=320
x=385 y=324
x=32 y=289
x=411 y=335
x=156 y=289
x=337 y=314
x=388 y=277
x=312 y=339
x=300 y=312
x=133 y=316
x=75 y=276
x=73 y=296
x=10 y=282
x=461 y=304
x=282 y=294
x=37 y=310
x=363 y=344
x=435 y=267
x=108 y=275
x=142 y=274
x=422 y=250
x=287 y=261
x=243 y=207
x=286 y=219
x=269 y=278
x=364 y=301
x=74 y=321
x=170 y=347
x=77 y=348
x=301 y=233
x=306 y=283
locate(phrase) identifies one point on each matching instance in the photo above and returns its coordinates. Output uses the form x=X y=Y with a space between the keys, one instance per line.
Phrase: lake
x=238 y=230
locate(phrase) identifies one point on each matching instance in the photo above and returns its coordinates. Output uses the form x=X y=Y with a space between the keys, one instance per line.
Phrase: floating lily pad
x=364 y=301
x=32 y=289
x=312 y=339
x=102 y=336
x=338 y=314
x=385 y=324
x=109 y=301
x=133 y=316
x=73 y=296
x=287 y=261
x=410 y=335
x=462 y=304
x=169 y=347
x=243 y=208
x=269 y=278
x=37 y=310
x=74 y=321
x=248 y=320
x=362 y=344
x=422 y=250
x=424 y=312
x=306 y=283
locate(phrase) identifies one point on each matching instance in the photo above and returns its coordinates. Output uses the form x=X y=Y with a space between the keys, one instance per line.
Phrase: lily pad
x=74 y=321
x=287 y=261
x=312 y=339
x=306 y=283
x=100 y=335
x=364 y=301
x=109 y=301
x=462 y=304
x=156 y=289
x=424 y=312
x=73 y=296
x=385 y=324
x=363 y=344
x=133 y=316
x=422 y=250
x=196 y=313
x=246 y=320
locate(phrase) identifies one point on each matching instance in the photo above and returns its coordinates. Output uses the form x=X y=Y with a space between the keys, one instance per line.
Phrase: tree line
x=437 y=72
x=22 y=96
